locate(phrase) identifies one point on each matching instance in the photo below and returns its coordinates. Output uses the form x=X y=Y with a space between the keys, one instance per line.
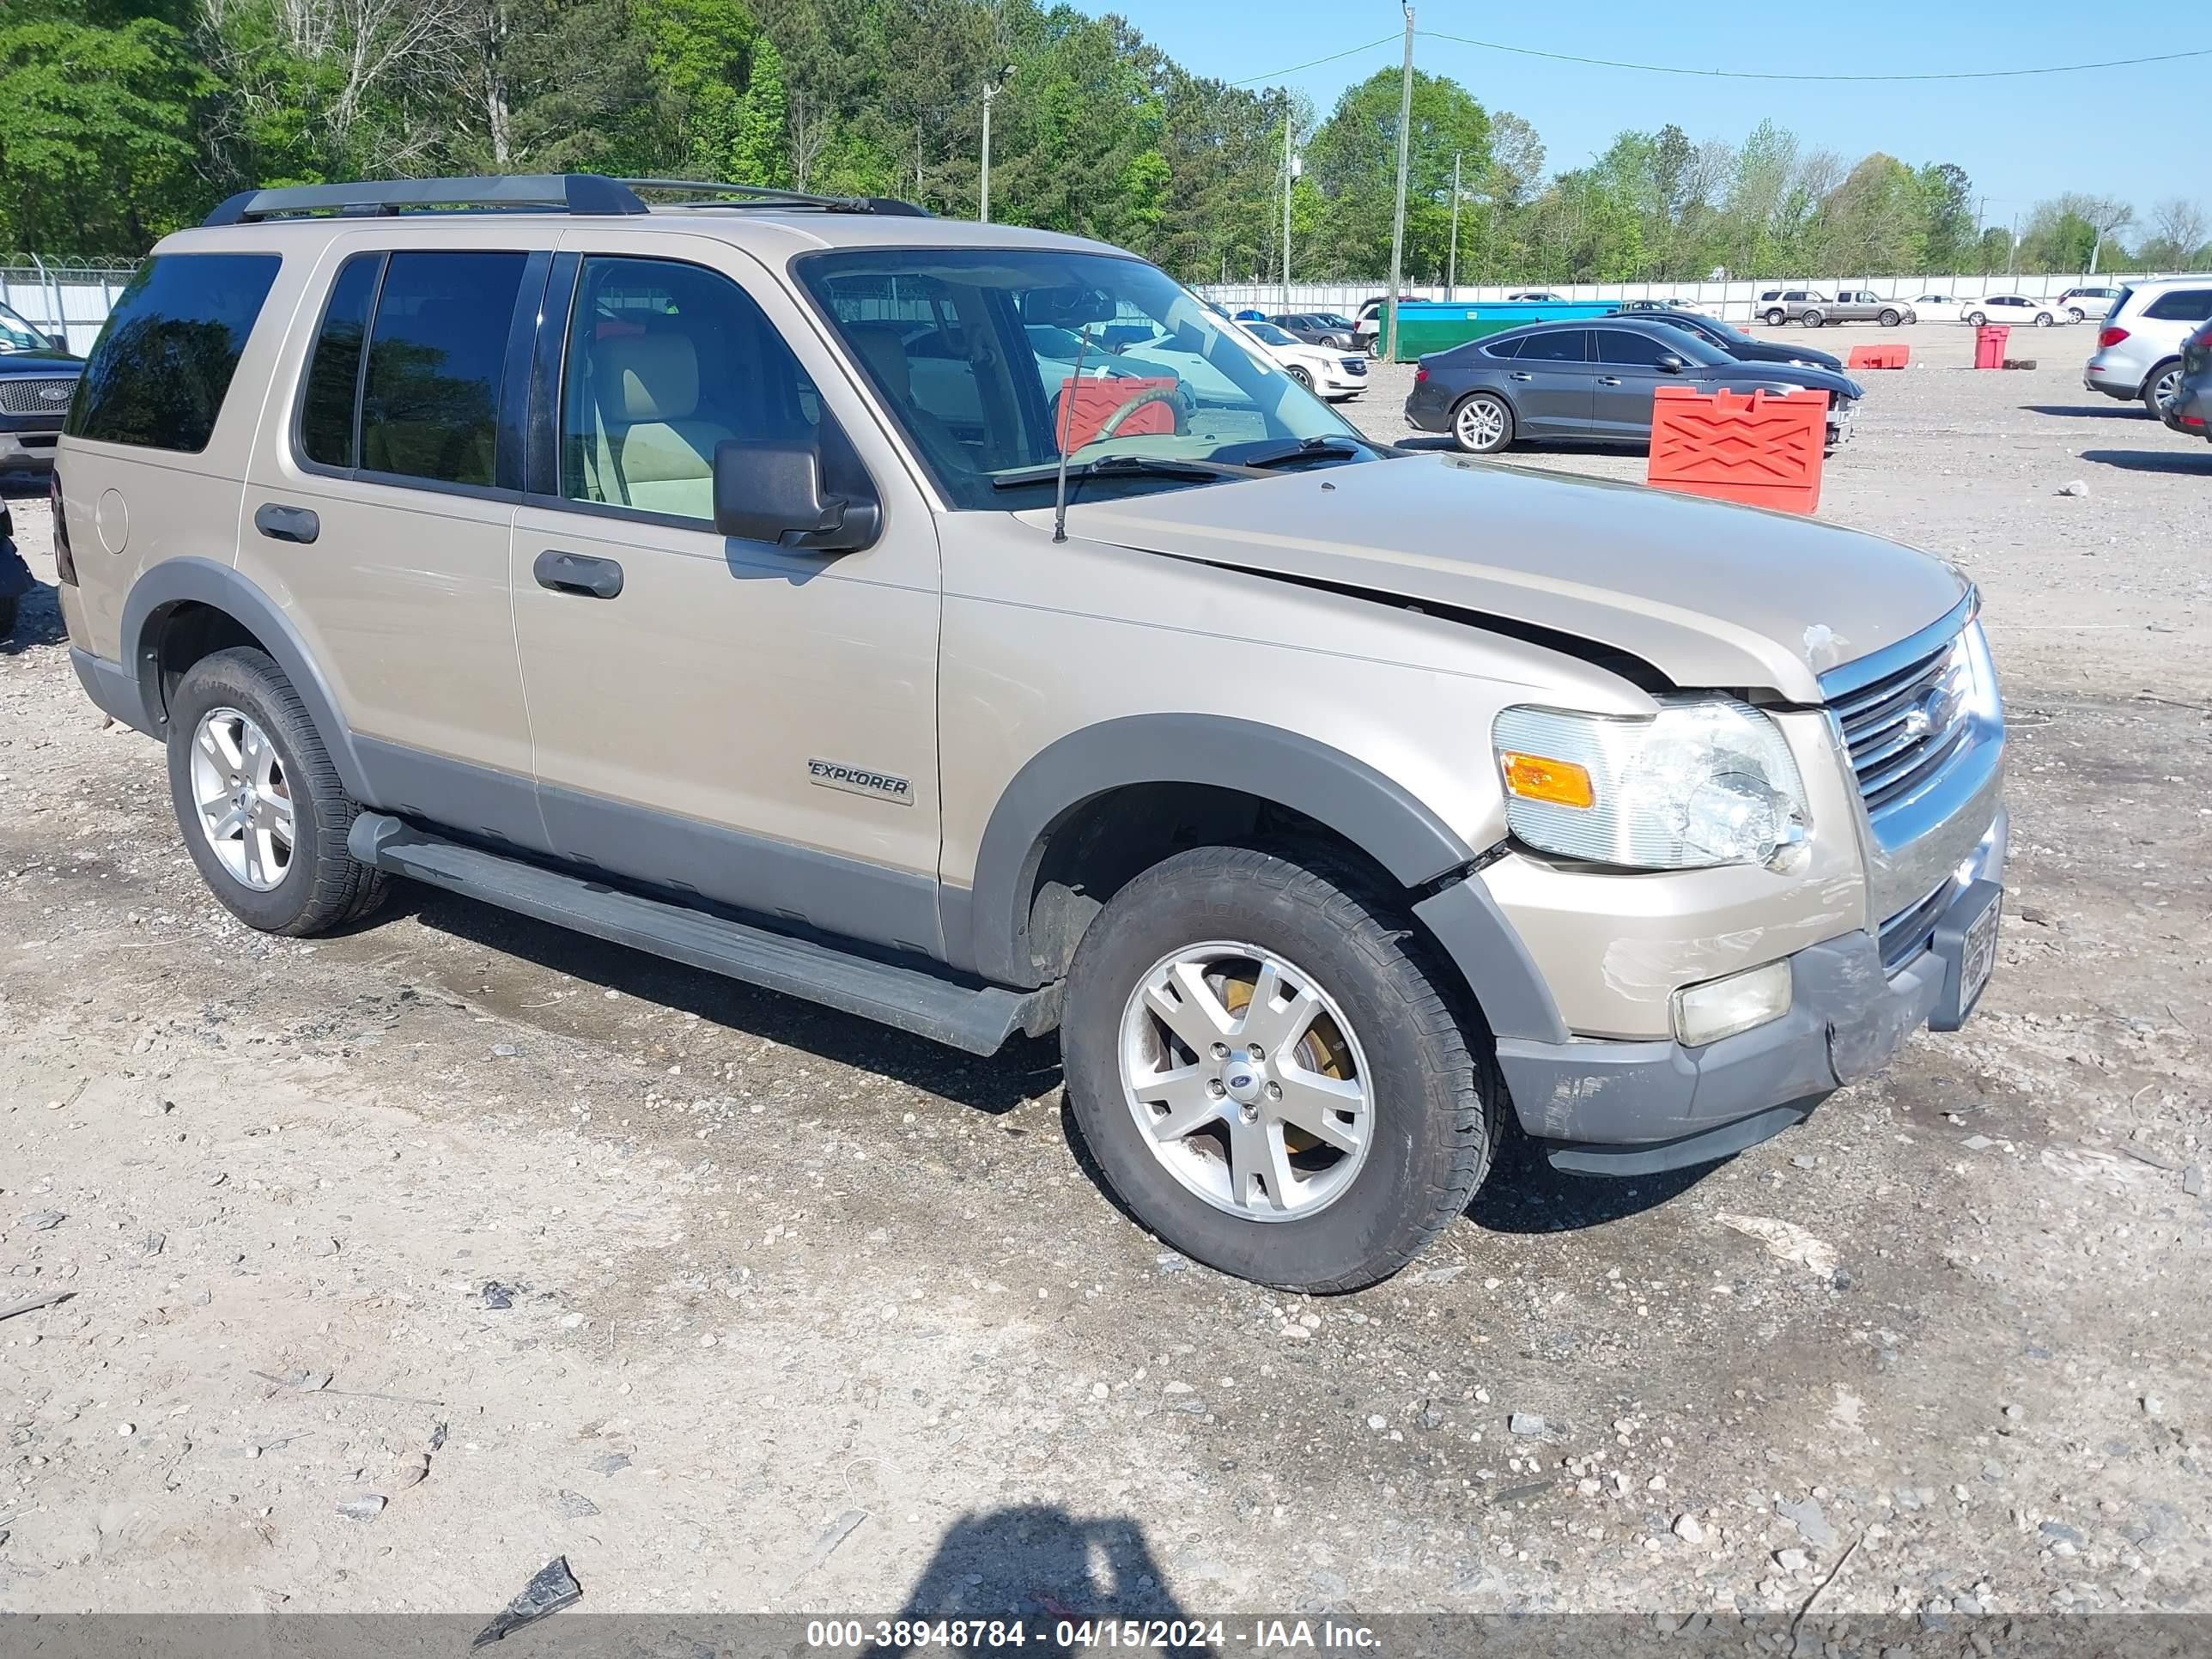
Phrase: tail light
x=65 y=563
x=2111 y=337
x=1420 y=374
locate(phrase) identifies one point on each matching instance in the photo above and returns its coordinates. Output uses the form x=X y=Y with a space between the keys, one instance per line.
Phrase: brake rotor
x=1322 y=1050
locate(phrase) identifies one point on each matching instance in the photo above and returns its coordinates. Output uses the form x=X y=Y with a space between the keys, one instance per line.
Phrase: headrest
x=646 y=377
x=881 y=345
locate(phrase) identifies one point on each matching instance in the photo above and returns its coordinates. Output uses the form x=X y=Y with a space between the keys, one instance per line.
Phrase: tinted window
x=429 y=405
x=1618 y=345
x=165 y=357
x=2183 y=305
x=666 y=361
x=1565 y=347
x=1506 y=348
x=327 y=402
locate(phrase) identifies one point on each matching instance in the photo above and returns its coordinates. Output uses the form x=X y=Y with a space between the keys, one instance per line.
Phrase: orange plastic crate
x=1096 y=402
x=1764 y=449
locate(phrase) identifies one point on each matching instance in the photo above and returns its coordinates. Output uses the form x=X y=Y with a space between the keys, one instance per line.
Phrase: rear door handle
x=1522 y=375
x=286 y=524
x=1608 y=380
x=579 y=574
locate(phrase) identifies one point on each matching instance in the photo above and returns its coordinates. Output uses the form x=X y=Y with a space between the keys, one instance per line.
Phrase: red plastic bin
x=1990 y=344
x=1765 y=449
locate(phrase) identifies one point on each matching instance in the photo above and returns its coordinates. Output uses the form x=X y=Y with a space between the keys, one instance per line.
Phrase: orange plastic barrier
x=1764 y=449
x=1880 y=356
x=1096 y=402
x=1990 y=344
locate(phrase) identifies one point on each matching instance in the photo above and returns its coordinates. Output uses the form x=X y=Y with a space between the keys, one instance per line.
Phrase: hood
x=1762 y=351
x=1710 y=594
x=1786 y=374
x=42 y=361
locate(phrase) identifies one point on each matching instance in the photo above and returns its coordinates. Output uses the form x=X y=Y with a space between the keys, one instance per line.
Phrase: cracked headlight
x=1705 y=781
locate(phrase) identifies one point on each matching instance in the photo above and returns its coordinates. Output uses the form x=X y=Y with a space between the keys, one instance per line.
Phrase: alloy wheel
x=1246 y=1081
x=1480 y=424
x=243 y=798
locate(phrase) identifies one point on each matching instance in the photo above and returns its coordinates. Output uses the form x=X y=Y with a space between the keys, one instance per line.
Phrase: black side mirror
x=58 y=342
x=774 y=492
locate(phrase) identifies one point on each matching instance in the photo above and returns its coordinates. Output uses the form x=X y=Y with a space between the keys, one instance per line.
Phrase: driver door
x=1628 y=372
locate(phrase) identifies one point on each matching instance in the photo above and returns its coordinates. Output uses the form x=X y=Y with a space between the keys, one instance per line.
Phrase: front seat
x=884 y=345
x=653 y=452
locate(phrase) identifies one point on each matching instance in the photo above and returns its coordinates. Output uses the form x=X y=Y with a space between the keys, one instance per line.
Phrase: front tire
x=1482 y=424
x=1304 y=377
x=1891 y=320
x=1265 y=1061
x=2043 y=319
x=7 y=607
x=262 y=811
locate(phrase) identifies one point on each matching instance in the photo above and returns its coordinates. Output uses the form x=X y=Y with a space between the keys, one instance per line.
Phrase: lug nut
x=1214 y=1087
x=1274 y=1092
x=1256 y=1052
x=1221 y=1051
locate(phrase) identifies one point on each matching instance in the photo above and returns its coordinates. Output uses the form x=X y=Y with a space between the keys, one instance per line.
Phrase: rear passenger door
x=1552 y=383
x=748 y=723
x=379 y=514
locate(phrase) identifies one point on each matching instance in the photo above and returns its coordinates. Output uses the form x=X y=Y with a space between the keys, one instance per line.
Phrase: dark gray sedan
x=1590 y=382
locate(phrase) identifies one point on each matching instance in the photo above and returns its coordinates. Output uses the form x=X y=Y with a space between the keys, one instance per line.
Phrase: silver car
x=2139 y=349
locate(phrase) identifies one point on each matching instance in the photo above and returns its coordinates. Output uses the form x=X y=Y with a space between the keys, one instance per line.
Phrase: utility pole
x=1398 y=220
x=1451 y=266
x=992 y=87
x=2012 y=259
x=1290 y=176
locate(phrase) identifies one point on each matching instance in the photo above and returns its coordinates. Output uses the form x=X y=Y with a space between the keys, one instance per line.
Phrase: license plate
x=1967 y=939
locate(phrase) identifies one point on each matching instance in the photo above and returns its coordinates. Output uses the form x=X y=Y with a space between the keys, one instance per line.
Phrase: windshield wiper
x=1315 y=449
x=1131 y=466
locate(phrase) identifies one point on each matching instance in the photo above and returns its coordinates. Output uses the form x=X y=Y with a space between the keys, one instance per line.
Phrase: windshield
x=1693 y=347
x=975 y=352
x=1268 y=334
x=17 y=334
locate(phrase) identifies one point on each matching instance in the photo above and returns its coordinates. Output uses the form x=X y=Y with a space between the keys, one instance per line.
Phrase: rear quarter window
x=2182 y=305
x=163 y=363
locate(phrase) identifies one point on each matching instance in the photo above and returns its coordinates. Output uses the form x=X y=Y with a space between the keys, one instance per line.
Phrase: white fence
x=1736 y=302
x=71 y=300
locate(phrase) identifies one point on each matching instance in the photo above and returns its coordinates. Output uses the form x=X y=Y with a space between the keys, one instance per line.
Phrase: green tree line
x=122 y=119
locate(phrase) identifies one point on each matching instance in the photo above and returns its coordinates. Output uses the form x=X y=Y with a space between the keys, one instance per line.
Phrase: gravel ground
x=554 y=1248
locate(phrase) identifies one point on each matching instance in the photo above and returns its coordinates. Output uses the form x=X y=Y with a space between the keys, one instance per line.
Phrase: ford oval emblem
x=54 y=394
x=1242 y=1080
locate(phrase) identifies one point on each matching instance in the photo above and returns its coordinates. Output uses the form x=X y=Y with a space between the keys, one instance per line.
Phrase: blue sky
x=2135 y=133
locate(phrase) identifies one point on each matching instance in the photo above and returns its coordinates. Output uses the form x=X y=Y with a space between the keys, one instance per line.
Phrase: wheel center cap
x=1243 y=1080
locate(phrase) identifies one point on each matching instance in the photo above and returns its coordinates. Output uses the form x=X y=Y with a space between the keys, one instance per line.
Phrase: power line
x=1751 y=75
x=1349 y=51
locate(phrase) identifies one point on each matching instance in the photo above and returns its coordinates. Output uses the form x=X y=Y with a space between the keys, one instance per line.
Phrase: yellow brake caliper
x=1322 y=1050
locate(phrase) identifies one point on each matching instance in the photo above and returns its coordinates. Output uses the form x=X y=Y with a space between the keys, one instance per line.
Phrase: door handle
x=1608 y=380
x=1522 y=375
x=286 y=524
x=579 y=574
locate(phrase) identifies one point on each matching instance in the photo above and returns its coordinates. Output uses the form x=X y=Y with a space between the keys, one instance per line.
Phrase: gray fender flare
x=203 y=581
x=1373 y=812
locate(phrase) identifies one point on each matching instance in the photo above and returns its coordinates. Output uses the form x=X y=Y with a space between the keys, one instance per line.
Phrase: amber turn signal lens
x=1532 y=777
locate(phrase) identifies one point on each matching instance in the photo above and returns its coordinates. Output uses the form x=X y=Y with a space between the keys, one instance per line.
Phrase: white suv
x=2139 y=349
x=2081 y=304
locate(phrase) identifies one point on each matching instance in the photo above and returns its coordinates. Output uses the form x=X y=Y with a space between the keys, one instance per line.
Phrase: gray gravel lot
x=791 y=1312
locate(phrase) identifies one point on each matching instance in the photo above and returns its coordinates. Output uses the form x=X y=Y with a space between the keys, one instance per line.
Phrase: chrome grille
x=1355 y=365
x=1902 y=728
x=27 y=397
x=1907 y=935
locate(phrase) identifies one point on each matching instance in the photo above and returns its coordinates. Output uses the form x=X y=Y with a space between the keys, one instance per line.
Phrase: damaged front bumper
x=1613 y=1108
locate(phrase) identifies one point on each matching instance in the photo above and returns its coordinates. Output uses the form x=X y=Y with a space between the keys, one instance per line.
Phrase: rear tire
x=1775 y=318
x=242 y=749
x=1482 y=423
x=2077 y=315
x=1813 y=320
x=7 y=618
x=2161 y=387
x=1977 y=319
x=1428 y=1100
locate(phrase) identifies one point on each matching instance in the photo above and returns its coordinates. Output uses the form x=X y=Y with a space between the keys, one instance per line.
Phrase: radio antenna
x=1066 y=430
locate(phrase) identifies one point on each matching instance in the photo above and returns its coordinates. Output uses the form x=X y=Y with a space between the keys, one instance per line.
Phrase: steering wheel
x=1158 y=394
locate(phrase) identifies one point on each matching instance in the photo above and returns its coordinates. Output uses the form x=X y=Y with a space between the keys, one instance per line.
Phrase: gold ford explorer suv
x=957 y=625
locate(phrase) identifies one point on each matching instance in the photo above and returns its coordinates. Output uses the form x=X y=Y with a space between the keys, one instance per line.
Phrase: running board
x=977 y=1019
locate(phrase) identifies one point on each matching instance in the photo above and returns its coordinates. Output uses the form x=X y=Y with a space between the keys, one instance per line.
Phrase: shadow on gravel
x=2198 y=466
x=1022 y=1071
x=37 y=621
x=1035 y=1565
x=1525 y=1194
x=2105 y=410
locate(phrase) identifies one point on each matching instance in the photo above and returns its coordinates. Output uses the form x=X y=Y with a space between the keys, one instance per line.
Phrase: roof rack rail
x=545 y=192
x=770 y=196
x=556 y=192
